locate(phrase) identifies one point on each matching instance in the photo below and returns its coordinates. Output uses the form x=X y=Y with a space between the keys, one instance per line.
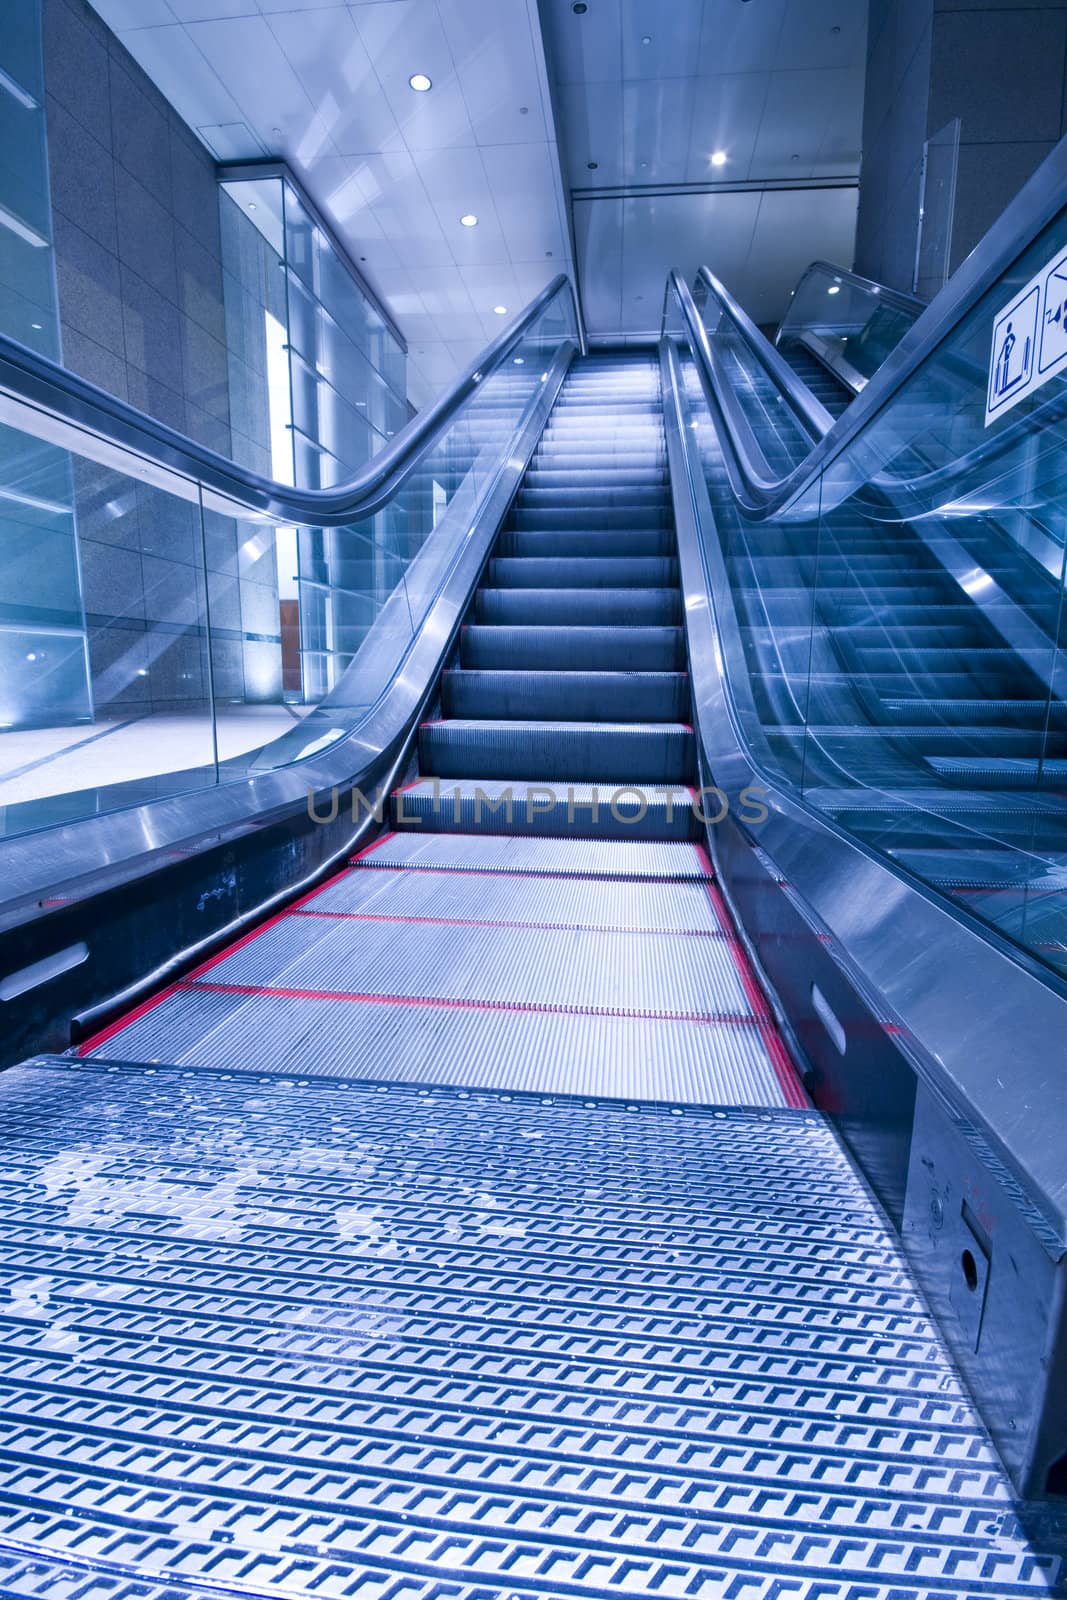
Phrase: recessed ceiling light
x=520 y=361
x=36 y=326
x=579 y=8
x=470 y=220
x=501 y=311
x=592 y=165
x=646 y=38
x=251 y=205
x=420 y=82
x=835 y=288
x=718 y=158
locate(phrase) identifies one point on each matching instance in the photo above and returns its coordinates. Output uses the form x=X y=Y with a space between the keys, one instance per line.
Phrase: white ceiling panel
x=657 y=43
x=456 y=183
x=591 y=115
x=325 y=85
x=405 y=36
x=727 y=112
x=650 y=90
x=179 y=70
x=585 y=49
x=823 y=33
x=513 y=172
x=329 y=58
x=657 y=118
x=207 y=10
x=497 y=63
x=794 y=123
x=742 y=38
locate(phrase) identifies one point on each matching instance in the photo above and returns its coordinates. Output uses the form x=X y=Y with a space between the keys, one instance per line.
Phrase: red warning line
x=493 y=922
x=541 y=1007
x=791 y=1086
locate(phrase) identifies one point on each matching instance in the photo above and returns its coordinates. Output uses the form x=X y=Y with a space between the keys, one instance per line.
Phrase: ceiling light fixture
x=592 y=165
x=579 y=8
x=520 y=361
x=835 y=288
x=646 y=38
x=470 y=220
x=420 y=82
x=500 y=311
x=718 y=158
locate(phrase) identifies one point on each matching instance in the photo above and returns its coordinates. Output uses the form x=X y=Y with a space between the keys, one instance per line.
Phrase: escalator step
x=599 y=812
x=487 y=851
x=658 y=543
x=582 y=752
x=598 y=607
x=604 y=649
x=584 y=572
x=575 y=696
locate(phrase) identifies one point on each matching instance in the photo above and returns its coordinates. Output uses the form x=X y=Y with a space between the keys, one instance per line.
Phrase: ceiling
x=325 y=86
x=645 y=89
x=648 y=90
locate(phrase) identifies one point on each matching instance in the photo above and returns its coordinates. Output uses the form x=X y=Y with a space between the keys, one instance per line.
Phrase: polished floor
x=38 y=763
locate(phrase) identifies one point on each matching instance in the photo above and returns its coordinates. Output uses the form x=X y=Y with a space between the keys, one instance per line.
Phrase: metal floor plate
x=318 y=1338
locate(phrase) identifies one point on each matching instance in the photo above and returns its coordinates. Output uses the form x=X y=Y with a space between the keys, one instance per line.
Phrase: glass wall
x=316 y=370
x=44 y=677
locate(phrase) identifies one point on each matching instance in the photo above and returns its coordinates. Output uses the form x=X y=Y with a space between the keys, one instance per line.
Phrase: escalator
x=528 y=1184
x=839 y=330
x=830 y=390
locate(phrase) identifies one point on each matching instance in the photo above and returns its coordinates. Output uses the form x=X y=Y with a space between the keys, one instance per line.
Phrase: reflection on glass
x=206 y=632
x=901 y=633
x=845 y=323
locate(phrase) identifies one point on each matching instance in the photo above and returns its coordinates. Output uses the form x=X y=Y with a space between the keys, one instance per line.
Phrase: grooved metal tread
x=589 y=858
x=312 y=1338
x=505 y=898
x=544 y=1052
x=556 y=968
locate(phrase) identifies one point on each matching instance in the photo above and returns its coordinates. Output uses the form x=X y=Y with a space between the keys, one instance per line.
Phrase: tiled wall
x=137 y=244
x=1000 y=66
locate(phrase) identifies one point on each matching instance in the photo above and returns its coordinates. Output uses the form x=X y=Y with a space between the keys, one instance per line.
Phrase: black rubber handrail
x=759 y=490
x=30 y=383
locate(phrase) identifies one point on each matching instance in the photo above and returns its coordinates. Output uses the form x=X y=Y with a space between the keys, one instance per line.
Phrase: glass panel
x=937 y=210
x=155 y=647
x=122 y=712
x=845 y=322
x=901 y=631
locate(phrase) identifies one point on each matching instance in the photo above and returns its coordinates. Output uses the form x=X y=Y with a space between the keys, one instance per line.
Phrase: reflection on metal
x=14 y=984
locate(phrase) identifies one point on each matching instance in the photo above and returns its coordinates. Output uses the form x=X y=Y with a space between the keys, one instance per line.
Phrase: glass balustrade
x=900 y=660
x=186 y=688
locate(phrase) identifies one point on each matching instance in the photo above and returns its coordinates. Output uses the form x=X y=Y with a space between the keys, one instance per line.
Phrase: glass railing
x=900 y=664
x=173 y=655
x=847 y=322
